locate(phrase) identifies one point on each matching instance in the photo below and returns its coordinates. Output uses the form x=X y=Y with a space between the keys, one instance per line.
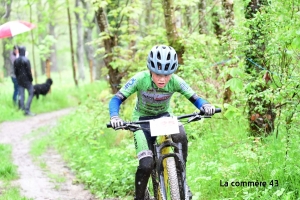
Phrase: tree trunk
x=53 y=54
x=99 y=62
x=216 y=20
x=229 y=13
x=202 y=20
x=39 y=8
x=172 y=34
x=261 y=112
x=188 y=20
x=227 y=23
x=148 y=18
x=71 y=44
x=6 y=52
x=32 y=46
x=87 y=38
x=80 y=46
x=109 y=43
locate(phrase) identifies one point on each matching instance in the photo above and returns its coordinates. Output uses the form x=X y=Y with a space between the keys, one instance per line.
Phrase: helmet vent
x=167 y=67
x=159 y=66
x=169 y=56
x=175 y=56
x=151 y=54
x=173 y=66
x=152 y=64
x=158 y=56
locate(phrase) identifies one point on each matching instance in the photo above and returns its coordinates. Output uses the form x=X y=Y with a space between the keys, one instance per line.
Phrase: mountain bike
x=168 y=177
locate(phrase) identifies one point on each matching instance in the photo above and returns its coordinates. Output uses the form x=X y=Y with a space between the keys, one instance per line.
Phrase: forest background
x=240 y=55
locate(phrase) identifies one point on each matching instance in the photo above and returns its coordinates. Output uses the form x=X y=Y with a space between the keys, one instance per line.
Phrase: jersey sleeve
x=188 y=92
x=128 y=89
x=131 y=86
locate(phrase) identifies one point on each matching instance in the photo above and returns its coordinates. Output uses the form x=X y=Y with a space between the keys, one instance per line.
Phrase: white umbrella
x=12 y=28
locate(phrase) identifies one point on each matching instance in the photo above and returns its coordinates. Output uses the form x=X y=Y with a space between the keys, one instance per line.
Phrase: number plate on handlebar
x=164 y=126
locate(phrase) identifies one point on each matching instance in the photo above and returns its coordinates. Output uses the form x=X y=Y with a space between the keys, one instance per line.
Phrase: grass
x=12 y=193
x=63 y=94
x=8 y=171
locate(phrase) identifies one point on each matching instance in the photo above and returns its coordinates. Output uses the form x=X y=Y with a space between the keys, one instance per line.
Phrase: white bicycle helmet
x=162 y=60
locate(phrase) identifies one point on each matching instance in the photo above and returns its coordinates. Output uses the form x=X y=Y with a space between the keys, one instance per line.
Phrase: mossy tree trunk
x=261 y=111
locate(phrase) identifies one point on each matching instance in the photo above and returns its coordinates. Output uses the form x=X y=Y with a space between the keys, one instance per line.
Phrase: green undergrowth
x=227 y=164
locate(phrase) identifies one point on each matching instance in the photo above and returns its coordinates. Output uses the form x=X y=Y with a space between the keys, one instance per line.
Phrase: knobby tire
x=173 y=180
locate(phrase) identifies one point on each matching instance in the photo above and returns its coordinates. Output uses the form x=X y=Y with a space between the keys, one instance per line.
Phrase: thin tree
x=52 y=24
x=202 y=13
x=71 y=43
x=29 y=3
x=89 y=21
x=80 y=45
x=40 y=18
x=109 y=42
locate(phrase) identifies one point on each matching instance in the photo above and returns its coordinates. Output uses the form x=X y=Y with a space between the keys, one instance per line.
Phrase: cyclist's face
x=161 y=80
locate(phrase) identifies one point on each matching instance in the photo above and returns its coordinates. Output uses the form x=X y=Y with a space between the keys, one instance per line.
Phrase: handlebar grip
x=109 y=125
x=218 y=110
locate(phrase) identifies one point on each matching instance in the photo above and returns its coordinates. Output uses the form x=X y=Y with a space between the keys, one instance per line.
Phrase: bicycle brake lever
x=134 y=128
x=195 y=118
x=130 y=127
x=120 y=127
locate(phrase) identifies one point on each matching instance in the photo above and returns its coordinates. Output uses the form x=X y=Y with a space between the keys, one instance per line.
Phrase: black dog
x=42 y=89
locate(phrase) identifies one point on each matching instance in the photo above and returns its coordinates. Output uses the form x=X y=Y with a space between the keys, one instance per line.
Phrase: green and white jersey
x=151 y=100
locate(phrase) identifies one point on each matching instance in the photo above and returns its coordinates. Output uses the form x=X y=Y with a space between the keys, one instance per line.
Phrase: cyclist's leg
x=182 y=138
x=146 y=163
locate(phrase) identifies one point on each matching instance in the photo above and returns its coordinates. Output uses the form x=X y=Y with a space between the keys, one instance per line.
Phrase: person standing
x=23 y=74
x=13 y=55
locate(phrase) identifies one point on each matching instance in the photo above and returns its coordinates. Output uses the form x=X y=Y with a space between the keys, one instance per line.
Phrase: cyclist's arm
x=115 y=103
x=189 y=93
x=197 y=101
x=128 y=89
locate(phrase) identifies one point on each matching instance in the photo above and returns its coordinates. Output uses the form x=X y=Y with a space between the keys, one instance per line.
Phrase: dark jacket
x=23 y=69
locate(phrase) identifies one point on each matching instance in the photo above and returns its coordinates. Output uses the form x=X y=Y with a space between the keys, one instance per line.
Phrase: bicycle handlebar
x=201 y=113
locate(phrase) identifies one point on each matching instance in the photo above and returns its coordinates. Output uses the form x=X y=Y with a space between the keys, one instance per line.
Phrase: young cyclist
x=154 y=89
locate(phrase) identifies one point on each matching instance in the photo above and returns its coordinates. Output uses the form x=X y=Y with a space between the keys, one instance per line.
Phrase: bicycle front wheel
x=173 y=186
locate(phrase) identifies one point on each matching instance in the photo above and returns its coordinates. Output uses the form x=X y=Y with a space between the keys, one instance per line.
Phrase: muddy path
x=54 y=181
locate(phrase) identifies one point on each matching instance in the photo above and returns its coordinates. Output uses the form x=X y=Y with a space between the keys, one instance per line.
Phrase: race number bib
x=164 y=126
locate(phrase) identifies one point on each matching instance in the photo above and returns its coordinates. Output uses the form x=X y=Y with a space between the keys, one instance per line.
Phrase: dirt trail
x=35 y=182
